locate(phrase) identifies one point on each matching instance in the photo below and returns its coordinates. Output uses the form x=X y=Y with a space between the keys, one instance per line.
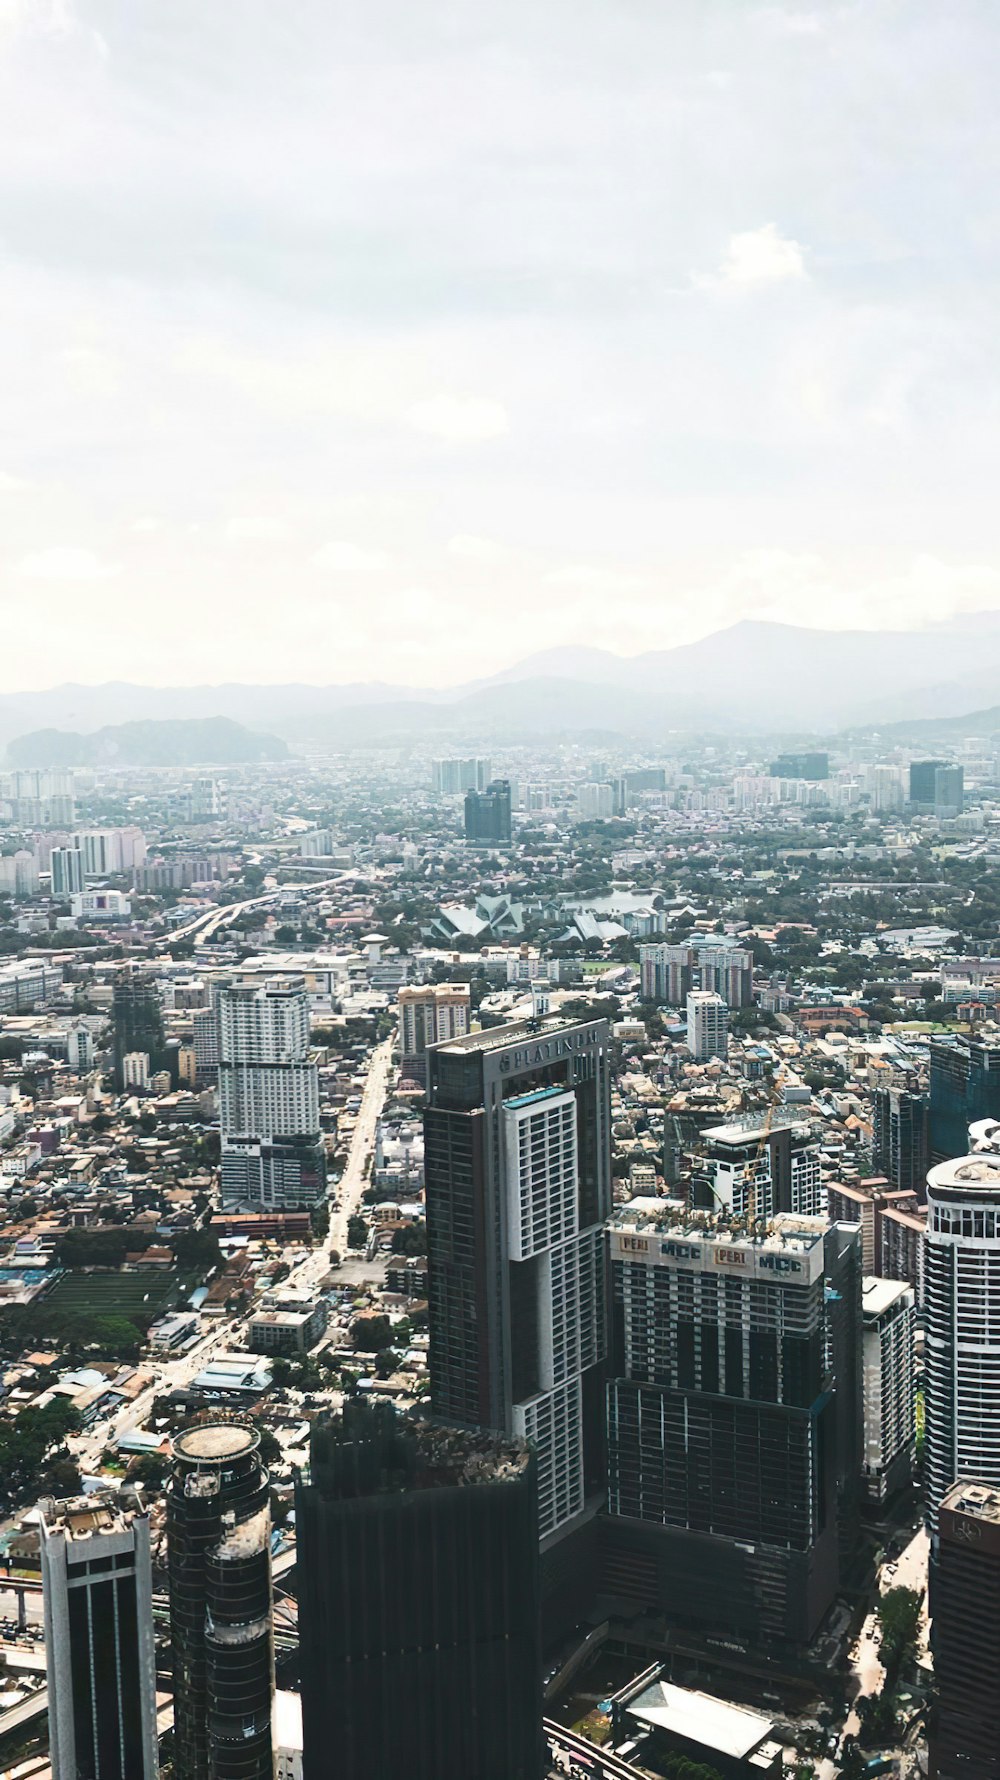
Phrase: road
x=209 y=921
x=355 y=1176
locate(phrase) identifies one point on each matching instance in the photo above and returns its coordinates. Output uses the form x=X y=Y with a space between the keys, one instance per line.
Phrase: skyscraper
x=137 y=1020
x=518 y=1185
x=707 y=1025
x=99 y=1649
x=901 y=1138
x=949 y=791
x=889 y=1387
x=451 y=777
x=66 y=864
x=219 y=1562
x=487 y=815
x=418 y=1602
x=922 y=786
x=965 y=1743
x=962 y=1352
x=272 y=1146
x=801 y=766
x=965 y=1087
x=429 y=1014
x=734 y=1420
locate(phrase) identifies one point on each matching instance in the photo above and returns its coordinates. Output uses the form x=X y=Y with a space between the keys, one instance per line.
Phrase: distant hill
x=192 y=741
x=974 y=723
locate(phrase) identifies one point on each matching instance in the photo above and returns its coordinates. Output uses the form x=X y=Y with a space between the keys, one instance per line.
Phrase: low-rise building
x=286 y=1325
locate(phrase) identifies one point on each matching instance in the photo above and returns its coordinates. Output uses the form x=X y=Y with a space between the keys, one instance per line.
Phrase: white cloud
x=65 y=563
x=467 y=547
x=341 y=557
x=253 y=528
x=762 y=256
x=12 y=484
x=459 y=419
x=590 y=578
x=146 y=524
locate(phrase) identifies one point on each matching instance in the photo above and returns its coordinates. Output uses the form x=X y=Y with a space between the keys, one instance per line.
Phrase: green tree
x=357 y=1232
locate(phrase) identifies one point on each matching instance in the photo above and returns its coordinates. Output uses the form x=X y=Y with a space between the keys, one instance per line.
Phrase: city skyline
x=627 y=323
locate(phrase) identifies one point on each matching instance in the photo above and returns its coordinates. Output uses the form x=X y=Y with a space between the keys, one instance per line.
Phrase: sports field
x=113 y=1294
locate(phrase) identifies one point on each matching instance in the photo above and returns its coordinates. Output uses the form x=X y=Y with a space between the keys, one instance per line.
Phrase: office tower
x=205 y=1039
x=428 y=1015
x=901 y=1138
x=452 y=777
x=518 y=1185
x=487 y=815
x=137 y=1020
x=666 y=973
x=219 y=1573
x=734 y=1420
x=962 y=1326
x=101 y=851
x=754 y=1171
x=889 y=1381
x=418 y=1602
x=595 y=803
x=100 y=1655
x=206 y=803
x=272 y=1146
x=26 y=874
x=801 y=766
x=949 y=791
x=67 y=870
x=965 y=1087
x=707 y=1025
x=922 y=776
x=965 y=1741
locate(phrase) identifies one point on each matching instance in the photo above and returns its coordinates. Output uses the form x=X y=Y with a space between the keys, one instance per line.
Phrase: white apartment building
x=595 y=803
x=962 y=1312
x=888 y=1386
x=707 y=1025
x=272 y=1150
x=66 y=866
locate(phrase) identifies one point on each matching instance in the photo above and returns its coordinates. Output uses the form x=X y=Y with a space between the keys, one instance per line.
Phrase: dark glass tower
x=965 y=1741
x=923 y=774
x=219 y=1557
x=99 y=1648
x=517 y=1171
x=418 y=1603
x=734 y=1421
x=901 y=1139
x=138 y=1020
x=965 y=1087
x=487 y=815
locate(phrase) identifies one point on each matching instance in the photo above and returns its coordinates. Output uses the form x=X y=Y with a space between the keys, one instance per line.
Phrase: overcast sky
x=394 y=339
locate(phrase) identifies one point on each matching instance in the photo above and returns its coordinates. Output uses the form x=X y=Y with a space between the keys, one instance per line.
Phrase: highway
x=203 y=926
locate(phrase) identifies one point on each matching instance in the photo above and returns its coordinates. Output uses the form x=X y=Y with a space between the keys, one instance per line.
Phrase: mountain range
x=193 y=741
x=752 y=677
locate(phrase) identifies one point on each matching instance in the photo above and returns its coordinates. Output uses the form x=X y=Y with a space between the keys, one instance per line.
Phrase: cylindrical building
x=219 y=1556
x=963 y=1326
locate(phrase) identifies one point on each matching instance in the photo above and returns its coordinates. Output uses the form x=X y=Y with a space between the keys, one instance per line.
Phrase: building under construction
x=219 y=1558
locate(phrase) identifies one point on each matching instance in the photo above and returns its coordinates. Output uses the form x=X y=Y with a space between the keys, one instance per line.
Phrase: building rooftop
x=879 y=1295
x=786 y=1232
x=81 y=1517
x=980 y=1172
x=981 y=1501
x=700 y=1718
x=216 y=1441
x=495 y=1038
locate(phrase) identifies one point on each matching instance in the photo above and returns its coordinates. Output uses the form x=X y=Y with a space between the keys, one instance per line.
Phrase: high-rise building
x=100 y=1654
x=734 y=1419
x=901 y=1138
x=518 y=1185
x=754 y=1169
x=219 y=1567
x=668 y=973
x=902 y=1249
x=80 y=1049
x=595 y=803
x=922 y=776
x=135 y=1072
x=965 y=1743
x=889 y=1386
x=430 y=1014
x=487 y=815
x=965 y=1087
x=949 y=791
x=137 y=1019
x=729 y=971
x=452 y=777
x=707 y=1025
x=272 y=1145
x=801 y=766
x=962 y=1344
x=67 y=871
x=418 y=1602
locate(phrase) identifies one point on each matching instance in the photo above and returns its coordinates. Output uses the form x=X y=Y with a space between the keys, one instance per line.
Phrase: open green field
x=113 y=1294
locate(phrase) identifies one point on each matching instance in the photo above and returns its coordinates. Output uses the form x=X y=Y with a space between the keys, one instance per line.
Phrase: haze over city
x=352 y=343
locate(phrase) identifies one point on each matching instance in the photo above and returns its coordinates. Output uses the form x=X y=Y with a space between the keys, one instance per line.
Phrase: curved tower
x=963 y=1326
x=219 y=1557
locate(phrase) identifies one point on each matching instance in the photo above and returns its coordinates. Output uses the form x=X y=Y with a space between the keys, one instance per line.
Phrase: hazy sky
x=393 y=339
